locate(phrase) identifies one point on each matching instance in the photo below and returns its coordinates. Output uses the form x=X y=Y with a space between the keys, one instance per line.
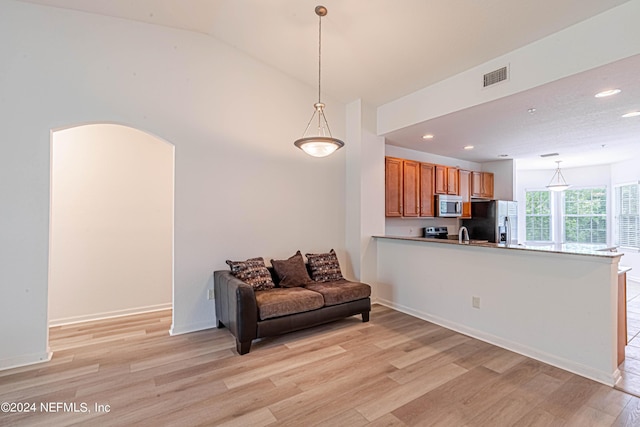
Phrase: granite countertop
x=567 y=248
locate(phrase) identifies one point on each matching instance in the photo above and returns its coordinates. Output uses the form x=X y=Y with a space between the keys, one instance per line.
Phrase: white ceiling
x=380 y=50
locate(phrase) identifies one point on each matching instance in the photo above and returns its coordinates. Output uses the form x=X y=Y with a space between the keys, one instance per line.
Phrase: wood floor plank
x=395 y=370
x=402 y=394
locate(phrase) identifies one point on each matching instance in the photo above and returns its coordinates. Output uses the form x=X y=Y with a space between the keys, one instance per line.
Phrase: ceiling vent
x=496 y=76
x=549 y=155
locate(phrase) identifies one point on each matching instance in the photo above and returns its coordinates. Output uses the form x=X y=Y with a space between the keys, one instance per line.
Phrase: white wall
x=505 y=178
x=365 y=190
x=557 y=308
x=111 y=244
x=241 y=188
x=600 y=40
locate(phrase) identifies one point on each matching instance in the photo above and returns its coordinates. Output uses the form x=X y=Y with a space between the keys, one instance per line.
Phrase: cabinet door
x=452 y=181
x=427 y=201
x=441 y=179
x=476 y=184
x=393 y=186
x=464 y=178
x=410 y=188
x=487 y=184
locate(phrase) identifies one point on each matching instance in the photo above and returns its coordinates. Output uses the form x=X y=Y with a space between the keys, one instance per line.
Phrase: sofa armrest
x=236 y=306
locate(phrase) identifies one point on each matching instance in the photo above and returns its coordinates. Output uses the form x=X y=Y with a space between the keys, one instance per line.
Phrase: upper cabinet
x=446 y=180
x=482 y=185
x=411 y=188
x=408 y=188
x=427 y=189
x=393 y=186
x=464 y=179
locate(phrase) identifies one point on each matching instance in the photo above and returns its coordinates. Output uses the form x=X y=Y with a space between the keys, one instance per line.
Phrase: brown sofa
x=251 y=314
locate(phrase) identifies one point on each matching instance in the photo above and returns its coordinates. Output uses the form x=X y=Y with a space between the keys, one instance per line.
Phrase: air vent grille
x=549 y=155
x=496 y=76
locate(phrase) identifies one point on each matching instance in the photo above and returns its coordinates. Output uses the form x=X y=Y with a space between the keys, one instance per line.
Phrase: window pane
x=627 y=219
x=538 y=215
x=585 y=215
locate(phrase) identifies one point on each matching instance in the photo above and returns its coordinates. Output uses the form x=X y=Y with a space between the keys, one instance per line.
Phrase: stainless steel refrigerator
x=493 y=220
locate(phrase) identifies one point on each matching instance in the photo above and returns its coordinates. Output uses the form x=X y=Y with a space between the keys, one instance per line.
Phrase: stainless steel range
x=435 y=232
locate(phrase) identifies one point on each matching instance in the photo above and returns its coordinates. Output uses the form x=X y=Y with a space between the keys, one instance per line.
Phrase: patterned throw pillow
x=324 y=267
x=292 y=272
x=253 y=272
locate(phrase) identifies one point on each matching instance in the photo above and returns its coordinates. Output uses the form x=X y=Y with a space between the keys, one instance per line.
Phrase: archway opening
x=111 y=223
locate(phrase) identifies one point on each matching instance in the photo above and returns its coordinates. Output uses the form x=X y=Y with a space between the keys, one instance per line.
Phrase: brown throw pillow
x=253 y=272
x=324 y=267
x=292 y=272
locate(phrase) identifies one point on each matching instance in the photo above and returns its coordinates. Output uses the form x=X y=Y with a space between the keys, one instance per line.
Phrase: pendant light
x=322 y=144
x=558 y=183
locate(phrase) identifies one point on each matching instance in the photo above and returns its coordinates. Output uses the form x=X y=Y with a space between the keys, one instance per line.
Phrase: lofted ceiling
x=380 y=50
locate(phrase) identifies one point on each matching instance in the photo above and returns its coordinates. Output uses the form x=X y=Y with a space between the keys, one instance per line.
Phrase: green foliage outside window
x=585 y=215
x=538 y=215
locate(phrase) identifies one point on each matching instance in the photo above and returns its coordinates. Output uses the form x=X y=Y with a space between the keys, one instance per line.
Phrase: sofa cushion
x=324 y=267
x=291 y=272
x=282 y=301
x=253 y=272
x=341 y=291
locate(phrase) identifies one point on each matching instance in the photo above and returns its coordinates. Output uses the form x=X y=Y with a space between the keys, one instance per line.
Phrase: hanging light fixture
x=323 y=143
x=558 y=183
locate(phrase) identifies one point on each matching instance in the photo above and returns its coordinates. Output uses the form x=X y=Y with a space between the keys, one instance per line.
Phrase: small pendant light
x=558 y=183
x=322 y=144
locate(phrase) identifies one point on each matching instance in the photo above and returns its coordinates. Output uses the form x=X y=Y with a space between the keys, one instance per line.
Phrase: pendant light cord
x=319 y=54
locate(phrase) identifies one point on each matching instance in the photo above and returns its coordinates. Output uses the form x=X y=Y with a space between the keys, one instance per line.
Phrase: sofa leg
x=243 y=347
x=220 y=325
x=365 y=316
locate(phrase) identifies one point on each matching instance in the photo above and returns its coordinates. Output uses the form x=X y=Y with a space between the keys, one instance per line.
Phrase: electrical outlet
x=475 y=302
x=210 y=295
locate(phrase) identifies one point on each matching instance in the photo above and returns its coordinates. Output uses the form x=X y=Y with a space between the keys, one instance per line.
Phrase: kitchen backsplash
x=414 y=226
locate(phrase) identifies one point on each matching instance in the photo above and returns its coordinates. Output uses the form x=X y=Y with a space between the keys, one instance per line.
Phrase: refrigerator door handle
x=507 y=226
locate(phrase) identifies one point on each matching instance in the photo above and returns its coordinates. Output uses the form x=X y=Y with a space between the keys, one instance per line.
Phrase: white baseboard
x=29 y=359
x=607 y=378
x=109 y=314
x=193 y=327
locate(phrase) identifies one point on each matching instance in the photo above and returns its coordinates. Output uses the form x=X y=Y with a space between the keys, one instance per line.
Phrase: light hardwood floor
x=630 y=368
x=395 y=370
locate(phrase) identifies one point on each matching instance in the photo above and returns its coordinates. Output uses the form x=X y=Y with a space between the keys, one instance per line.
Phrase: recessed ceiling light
x=631 y=114
x=606 y=93
x=427 y=136
x=468 y=147
x=531 y=110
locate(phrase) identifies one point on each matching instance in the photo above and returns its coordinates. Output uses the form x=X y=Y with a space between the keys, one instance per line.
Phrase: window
x=627 y=215
x=585 y=215
x=538 y=216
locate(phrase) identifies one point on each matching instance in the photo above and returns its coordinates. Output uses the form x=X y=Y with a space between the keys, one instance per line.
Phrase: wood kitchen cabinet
x=393 y=186
x=482 y=185
x=446 y=180
x=427 y=182
x=408 y=188
x=464 y=182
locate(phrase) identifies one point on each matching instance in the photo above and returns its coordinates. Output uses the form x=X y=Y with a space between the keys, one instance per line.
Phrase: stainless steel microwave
x=448 y=206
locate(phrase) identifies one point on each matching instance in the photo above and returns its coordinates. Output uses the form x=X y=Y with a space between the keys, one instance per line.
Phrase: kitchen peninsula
x=555 y=304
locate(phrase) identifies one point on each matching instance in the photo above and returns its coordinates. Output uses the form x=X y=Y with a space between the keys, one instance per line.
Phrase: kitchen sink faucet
x=463 y=235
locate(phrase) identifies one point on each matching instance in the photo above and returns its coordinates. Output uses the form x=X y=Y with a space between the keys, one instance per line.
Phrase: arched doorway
x=111 y=223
